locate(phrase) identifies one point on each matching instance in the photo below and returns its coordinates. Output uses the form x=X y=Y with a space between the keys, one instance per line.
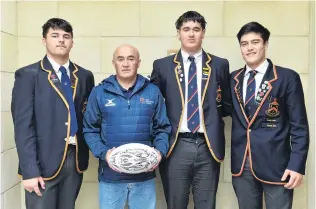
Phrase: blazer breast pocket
x=272 y=112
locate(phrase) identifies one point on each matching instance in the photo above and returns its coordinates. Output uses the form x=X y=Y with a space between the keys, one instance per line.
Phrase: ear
x=72 y=43
x=203 y=34
x=266 y=45
x=138 y=65
x=178 y=34
x=44 y=41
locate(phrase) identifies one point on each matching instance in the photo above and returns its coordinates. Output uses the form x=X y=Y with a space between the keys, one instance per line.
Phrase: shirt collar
x=56 y=66
x=129 y=89
x=185 y=56
x=262 y=68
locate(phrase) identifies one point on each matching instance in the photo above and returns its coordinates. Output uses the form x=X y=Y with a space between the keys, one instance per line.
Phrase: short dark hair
x=254 y=27
x=57 y=23
x=190 y=16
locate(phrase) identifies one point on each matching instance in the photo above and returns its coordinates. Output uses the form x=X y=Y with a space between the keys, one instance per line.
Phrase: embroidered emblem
x=273 y=110
x=110 y=103
x=219 y=94
x=54 y=78
x=141 y=100
x=73 y=82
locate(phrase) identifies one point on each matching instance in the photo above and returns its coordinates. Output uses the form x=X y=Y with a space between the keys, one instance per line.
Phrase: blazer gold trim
x=178 y=64
x=69 y=118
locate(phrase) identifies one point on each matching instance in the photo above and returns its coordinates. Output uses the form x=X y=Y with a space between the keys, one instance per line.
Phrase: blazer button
x=249 y=130
x=66 y=123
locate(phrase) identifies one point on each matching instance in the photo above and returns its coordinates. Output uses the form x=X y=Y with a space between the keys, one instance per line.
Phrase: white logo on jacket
x=148 y=101
x=110 y=103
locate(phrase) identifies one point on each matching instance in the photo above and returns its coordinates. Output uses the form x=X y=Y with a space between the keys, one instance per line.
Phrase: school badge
x=273 y=110
x=54 y=78
x=180 y=73
x=205 y=72
x=73 y=83
x=262 y=92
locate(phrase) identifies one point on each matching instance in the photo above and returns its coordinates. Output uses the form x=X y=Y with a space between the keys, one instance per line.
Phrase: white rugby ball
x=133 y=158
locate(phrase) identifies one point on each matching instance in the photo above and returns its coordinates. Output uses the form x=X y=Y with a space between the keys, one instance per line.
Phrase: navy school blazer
x=276 y=137
x=42 y=120
x=216 y=97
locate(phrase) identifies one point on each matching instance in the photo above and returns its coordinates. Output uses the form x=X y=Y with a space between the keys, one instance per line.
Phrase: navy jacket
x=216 y=97
x=112 y=119
x=277 y=136
x=42 y=120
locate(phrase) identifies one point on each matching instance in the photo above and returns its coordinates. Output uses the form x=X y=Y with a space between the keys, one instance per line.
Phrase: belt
x=71 y=146
x=191 y=135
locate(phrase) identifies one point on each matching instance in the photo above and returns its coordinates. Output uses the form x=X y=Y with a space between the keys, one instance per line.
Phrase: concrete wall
x=100 y=26
x=311 y=113
x=10 y=184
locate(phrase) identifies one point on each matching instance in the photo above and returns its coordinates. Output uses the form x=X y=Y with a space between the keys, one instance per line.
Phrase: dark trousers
x=60 y=192
x=249 y=192
x=190 y=166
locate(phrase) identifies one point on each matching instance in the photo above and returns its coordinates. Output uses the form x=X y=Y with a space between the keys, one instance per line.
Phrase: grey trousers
x=249 y=192
x=60 y=192
x=190 y=167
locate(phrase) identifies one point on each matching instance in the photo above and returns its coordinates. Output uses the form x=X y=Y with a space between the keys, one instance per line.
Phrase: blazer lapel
x=206 y=73
x=53 y=79
x=73 y=78
x=265 y=88
x=180 y=75
x=239 y=79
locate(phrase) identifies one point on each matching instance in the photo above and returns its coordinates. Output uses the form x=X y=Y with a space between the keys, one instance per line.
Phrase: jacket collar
x=112 y=85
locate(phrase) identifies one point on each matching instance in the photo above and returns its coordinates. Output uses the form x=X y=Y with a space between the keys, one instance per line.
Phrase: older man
x=126 y=108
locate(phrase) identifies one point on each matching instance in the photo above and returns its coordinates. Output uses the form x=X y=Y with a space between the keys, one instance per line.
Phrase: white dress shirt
x=261 y=70
x=186 y=66
x=56 y=66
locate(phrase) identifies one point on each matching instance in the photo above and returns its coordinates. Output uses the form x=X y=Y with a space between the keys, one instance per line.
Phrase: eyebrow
x=54 y=33
x=130 y=56
x=257 y=39
x=187 y=27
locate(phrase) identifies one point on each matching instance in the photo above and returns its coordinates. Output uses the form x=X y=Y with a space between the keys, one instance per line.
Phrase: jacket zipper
x=129 y=104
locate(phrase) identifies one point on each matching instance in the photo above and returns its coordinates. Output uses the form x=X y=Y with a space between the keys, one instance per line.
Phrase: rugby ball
x=133 y=158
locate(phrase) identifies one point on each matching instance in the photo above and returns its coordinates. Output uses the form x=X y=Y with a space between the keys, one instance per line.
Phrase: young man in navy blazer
x=48 y=101
x=195 y=85
x=270 y=135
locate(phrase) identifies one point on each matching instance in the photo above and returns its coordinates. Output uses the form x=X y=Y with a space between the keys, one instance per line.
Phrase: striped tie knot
x=253 y=73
